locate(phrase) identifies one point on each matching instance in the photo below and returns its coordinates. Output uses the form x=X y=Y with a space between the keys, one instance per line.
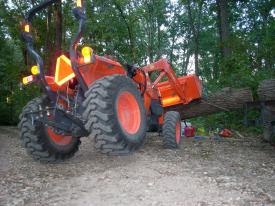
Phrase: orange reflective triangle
x=63 y=71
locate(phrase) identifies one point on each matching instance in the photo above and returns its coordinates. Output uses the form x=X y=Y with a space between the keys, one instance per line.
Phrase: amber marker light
x=27 y=80
x=87 y=53
x=27 y=28
x=79 y=3
x=35 y=70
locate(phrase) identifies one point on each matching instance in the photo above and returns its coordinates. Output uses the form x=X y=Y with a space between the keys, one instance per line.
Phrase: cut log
x=225 y=100
x=266 y=91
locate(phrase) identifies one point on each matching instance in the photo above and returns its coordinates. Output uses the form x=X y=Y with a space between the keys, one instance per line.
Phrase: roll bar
x=38 y=8
x=80 y=14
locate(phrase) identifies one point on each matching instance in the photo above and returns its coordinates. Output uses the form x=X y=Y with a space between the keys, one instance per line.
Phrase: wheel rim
x=59 y=139
x=129 y=114
x=178 y=135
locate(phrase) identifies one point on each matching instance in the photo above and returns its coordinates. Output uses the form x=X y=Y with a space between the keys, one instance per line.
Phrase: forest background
x=228 y=43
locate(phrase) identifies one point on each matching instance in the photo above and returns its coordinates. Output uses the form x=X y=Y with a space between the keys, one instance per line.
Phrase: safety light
x=79 y=3
x=27 y=80
x=35 y=70
x=63 y=71
x=87 y=53
x=27 y=28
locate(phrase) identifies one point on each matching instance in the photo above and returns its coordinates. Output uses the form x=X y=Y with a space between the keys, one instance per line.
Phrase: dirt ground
x=237 y=171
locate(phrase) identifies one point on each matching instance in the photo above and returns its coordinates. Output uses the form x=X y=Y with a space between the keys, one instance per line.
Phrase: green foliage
x=142 y=32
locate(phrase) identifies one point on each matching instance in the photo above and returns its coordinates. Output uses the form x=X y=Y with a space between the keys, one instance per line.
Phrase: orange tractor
x=94 y=96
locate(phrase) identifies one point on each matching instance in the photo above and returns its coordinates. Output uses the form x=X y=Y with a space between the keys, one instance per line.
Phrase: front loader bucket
x=191 y=86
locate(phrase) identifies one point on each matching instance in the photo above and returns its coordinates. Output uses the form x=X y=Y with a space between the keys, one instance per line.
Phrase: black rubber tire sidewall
x=36 y=140
x=169 y=129
x=101 y=116
x=139 y=135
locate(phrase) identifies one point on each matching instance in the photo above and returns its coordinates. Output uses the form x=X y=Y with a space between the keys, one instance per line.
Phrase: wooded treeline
x=226 y=42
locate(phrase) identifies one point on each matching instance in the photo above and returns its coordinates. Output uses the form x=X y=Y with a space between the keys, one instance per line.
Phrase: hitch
x=74 y=126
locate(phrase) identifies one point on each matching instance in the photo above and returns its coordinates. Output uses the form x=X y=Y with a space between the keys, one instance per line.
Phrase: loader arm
x=175 y=91
x=165 y=69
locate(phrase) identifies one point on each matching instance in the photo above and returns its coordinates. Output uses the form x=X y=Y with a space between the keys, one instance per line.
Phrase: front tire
x=40 y=141
x=115 y=115
x=172 y=130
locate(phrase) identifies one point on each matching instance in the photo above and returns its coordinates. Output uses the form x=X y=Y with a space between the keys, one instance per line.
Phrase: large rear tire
x=42 y=142
x=171 y=130
x=115 y=115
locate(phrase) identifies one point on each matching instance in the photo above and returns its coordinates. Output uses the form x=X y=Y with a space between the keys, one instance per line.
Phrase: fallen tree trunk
x=224 y=100
x=266 y=91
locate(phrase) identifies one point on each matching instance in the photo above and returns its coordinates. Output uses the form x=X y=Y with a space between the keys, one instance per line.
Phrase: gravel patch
x=236 y=171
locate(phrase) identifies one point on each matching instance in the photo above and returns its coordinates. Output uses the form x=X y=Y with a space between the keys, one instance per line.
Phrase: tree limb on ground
x=266 y=90
x=225 y=100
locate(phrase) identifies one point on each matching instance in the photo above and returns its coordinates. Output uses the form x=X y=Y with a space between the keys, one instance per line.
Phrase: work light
x=79 y=3
x=27 y=28
x=87 y=53
x=35 y=70
x=27 y=80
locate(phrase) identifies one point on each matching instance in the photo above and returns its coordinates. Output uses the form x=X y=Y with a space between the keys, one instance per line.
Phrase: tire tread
x=32 y=137
x=169 y=129
x=101 y=119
